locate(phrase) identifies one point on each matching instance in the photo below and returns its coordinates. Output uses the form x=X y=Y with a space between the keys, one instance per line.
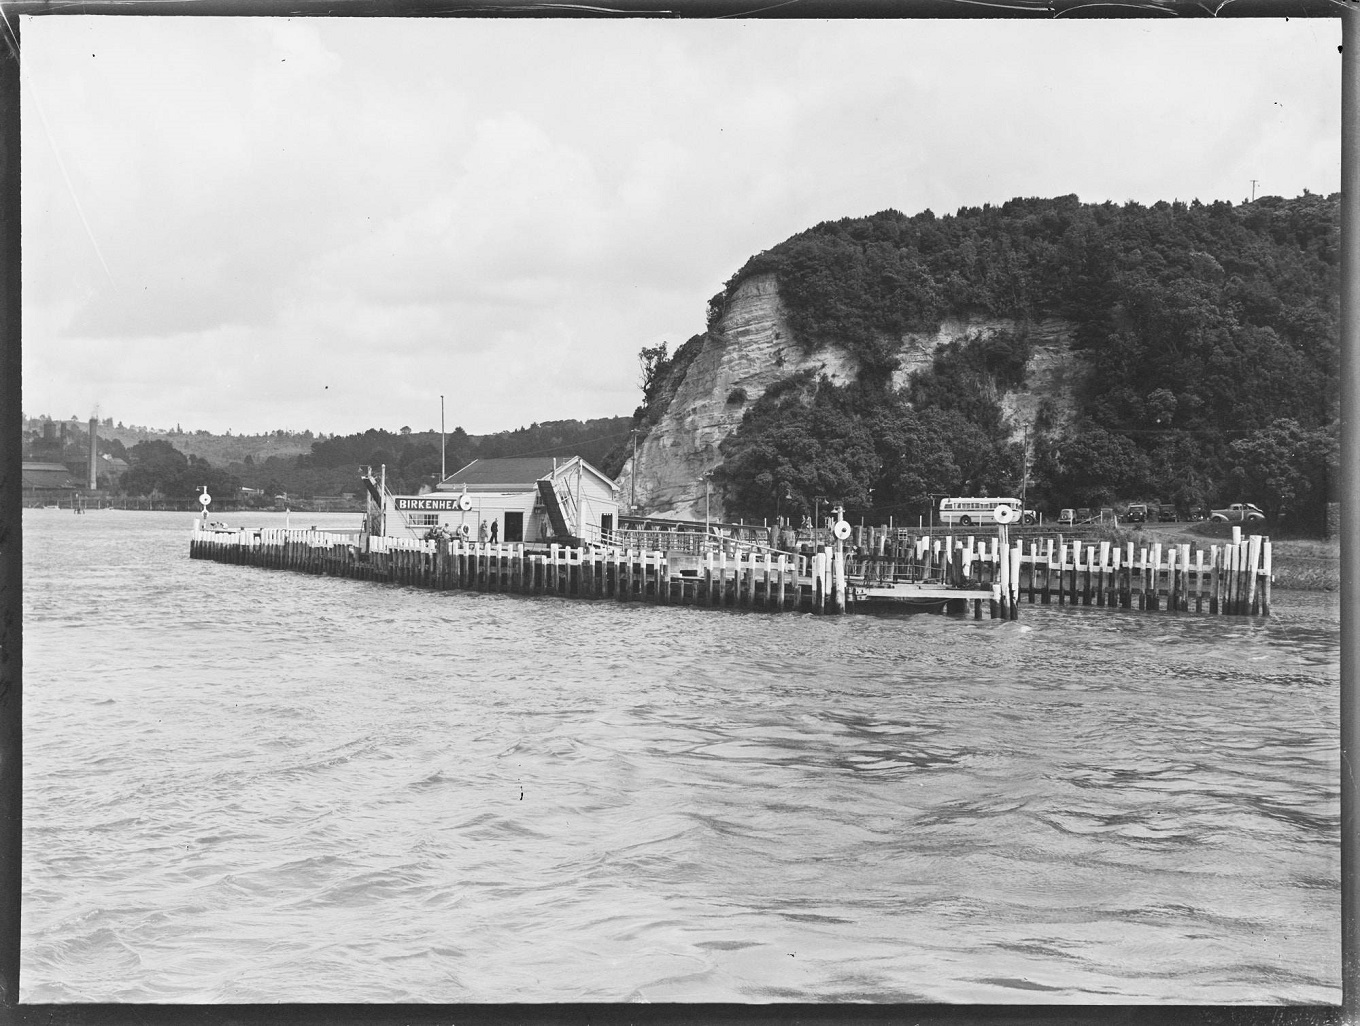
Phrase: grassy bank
x=1304 y=565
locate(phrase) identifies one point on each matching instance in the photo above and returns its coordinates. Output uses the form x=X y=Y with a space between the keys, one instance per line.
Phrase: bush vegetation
x=1210 y=333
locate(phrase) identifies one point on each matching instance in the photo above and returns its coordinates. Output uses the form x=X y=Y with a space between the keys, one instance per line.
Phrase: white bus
x=972 y=511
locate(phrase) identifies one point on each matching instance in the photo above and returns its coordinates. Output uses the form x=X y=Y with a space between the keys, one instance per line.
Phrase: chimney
x=94 y=453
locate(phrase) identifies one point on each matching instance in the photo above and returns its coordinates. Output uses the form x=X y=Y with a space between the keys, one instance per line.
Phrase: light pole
x=706 y=477
x=442 y=473
x=931 y=497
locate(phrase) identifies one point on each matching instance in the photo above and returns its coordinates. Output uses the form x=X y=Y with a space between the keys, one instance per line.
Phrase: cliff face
x=751 y=347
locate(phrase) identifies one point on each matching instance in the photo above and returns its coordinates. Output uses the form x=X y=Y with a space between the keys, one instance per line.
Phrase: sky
x=326 y=224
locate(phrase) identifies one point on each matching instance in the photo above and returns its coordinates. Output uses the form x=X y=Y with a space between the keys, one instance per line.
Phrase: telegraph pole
x=442 y=473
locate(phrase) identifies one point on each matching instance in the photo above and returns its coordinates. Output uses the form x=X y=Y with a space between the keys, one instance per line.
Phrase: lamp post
x=931 y=496
x=442 y=473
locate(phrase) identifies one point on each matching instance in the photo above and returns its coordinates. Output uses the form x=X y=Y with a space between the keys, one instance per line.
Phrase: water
x=245 y=785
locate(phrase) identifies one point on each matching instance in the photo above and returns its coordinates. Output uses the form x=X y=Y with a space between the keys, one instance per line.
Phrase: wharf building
x=535 y=500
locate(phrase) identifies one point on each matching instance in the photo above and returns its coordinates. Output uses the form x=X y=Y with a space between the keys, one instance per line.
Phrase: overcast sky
x=272 y=223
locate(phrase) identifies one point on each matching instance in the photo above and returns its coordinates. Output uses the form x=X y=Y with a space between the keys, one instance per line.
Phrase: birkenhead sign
x=428 y=505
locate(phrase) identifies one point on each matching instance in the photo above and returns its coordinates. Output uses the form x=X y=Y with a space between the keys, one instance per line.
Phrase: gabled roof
x=512 y=473
x=47 y=475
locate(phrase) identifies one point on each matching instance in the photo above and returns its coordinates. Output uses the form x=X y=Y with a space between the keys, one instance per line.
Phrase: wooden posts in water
x=1227 y=578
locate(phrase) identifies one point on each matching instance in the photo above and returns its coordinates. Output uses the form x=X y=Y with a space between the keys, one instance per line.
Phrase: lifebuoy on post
x=464 y=532
x=465 y=503
x=1003 y=514
x=841 y=530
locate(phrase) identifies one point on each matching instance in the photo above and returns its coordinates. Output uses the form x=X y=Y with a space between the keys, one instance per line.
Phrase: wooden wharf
x=958 y=575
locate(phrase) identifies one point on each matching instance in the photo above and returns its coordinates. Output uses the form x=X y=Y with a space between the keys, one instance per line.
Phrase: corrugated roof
x=47 y=475
x=508 y=473
x=521 y=471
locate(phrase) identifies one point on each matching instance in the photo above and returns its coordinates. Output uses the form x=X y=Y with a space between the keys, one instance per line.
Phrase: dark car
x=1138 y=512
x=1167 y=514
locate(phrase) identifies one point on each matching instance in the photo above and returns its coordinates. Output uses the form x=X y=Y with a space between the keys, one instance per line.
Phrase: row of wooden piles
x=755 y=581
x=1230 y=578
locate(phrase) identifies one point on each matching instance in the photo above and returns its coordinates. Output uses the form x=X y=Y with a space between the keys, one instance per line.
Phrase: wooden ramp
x=553 y=505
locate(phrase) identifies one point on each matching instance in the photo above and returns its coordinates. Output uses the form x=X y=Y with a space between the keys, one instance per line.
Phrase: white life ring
x=464 y=532
x=841 y=530
x=1003 y=514
x=204 y=498
x=465 y=503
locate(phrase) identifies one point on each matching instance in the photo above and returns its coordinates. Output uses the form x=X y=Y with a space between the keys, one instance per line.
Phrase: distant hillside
x=1088 y=352
x=302 y=465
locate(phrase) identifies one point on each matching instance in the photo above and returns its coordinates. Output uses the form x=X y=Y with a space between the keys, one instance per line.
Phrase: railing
x=689 y=542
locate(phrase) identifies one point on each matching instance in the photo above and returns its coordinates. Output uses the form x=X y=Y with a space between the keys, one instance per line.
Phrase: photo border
x=11 y=563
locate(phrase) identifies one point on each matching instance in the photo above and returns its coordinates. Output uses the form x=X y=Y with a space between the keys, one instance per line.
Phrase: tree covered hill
x=1209 y=334
x=175 y=463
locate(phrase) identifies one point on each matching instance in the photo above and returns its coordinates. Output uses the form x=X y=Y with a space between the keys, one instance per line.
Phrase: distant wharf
x=893 y=571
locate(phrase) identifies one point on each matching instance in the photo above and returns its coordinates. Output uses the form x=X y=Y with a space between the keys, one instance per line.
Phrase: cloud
x=323 y=223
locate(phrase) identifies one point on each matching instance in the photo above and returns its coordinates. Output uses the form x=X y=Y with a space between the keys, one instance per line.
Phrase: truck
x=1137 y=513
x=1237 y=513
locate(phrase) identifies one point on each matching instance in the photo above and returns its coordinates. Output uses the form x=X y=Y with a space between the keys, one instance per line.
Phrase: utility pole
x=442 y=473
x=632 y=478
x=1253 y=190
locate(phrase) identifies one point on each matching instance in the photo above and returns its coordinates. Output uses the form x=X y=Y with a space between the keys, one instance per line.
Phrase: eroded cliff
x=750 y=347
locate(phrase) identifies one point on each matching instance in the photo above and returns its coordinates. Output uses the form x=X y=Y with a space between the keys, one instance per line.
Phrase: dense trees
x=1204 y=329
x=158 y=469
x=413 y=460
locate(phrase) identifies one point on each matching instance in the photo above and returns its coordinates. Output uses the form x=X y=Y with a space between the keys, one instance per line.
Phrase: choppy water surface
x=245 y=785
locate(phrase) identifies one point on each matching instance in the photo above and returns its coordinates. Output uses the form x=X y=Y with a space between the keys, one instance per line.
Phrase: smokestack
x=94 y=453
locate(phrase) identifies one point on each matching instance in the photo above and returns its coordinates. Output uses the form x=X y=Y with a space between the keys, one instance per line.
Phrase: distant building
x=113 y=467
x=48 y=483
x=535 y=499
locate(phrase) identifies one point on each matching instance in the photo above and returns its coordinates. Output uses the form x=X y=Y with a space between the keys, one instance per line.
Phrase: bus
x=967 y=512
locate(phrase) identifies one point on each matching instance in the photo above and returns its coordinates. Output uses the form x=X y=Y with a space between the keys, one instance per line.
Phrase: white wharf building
x=535 y=499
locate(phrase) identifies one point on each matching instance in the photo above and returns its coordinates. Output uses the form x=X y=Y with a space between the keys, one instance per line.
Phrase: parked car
x=1067 y=516
x=1107 y=516
x=1084 y=515
x=1238 y=513
x=1137 y=513
x=1166 y=513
